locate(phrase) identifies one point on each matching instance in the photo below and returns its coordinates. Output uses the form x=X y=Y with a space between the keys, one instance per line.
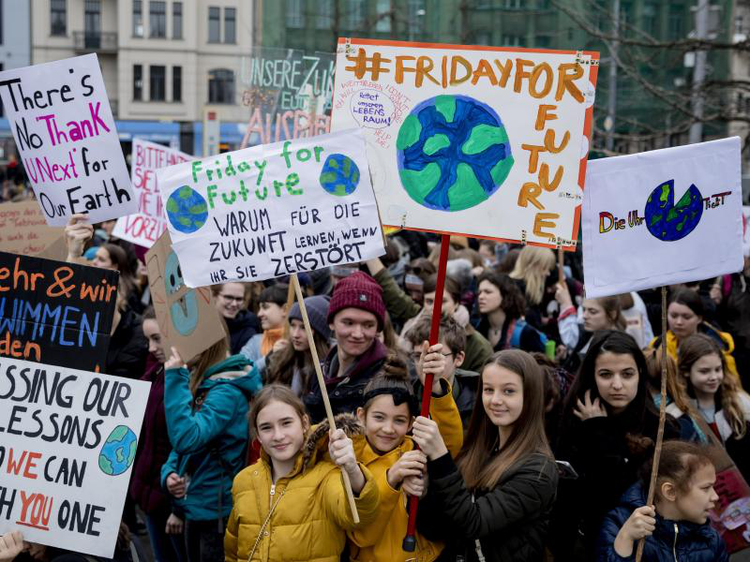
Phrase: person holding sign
x=494 y=502
x=356 y=314
x=11 y=545
x=291 y=505
x=206 y=409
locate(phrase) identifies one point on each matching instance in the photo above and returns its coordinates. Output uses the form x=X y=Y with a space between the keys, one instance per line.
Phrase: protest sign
x=54 y=312
x=288 y=93
x=64 y=130
x=69 y=442
x=677 y=209
x=23 y=229
x=145 y=226
x=272 y=210
x=746 y=230
x=477 y=141
x=188 y=319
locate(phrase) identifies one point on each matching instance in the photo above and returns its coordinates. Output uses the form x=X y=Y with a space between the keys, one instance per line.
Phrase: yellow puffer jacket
x=312 y=514
x=381 y=540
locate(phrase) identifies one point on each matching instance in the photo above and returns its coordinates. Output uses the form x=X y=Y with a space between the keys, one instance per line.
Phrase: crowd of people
x=543 y=417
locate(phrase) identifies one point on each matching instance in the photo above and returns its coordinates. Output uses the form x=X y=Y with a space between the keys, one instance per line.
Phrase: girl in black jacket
x=494 y=502
x=608 y=427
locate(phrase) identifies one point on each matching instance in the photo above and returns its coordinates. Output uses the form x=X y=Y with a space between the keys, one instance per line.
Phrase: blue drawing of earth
x=340 y=175
x=669 y=222
x=187 y=210
x=453 y=153
x=118 y=452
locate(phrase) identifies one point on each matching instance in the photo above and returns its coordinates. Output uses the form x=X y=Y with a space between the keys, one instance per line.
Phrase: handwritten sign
x=479 y=141
x=66 y=453
x=23 y=229
x=272 y=210
x=145 y=227
x=288 y=93
x=63 y=126
x=662 y=217
x=188 y=319
x=54 y=312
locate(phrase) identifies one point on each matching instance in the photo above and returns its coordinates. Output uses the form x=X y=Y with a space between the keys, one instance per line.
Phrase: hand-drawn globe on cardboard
x=453 y=153
x=187 y=210
x=340 y=175
x=118 y=451
x=669 y=222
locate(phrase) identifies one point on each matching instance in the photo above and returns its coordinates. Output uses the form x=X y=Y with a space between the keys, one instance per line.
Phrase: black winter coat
x=509 y=522
x=672 y=540
x=241 y=328
x=128 y=348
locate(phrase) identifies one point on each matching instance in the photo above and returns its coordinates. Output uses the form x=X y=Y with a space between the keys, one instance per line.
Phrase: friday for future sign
x=272 y=210
x=68 y=444
x=63 y=127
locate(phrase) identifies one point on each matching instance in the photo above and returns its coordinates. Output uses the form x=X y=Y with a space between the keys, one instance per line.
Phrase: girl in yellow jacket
x=390 y=406
x=291 y=504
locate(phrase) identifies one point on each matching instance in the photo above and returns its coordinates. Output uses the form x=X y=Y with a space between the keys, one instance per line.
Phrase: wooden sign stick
x=662 y=415
x=323 y=390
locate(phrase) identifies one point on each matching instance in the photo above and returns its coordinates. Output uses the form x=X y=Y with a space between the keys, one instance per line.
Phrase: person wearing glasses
x=231 y=302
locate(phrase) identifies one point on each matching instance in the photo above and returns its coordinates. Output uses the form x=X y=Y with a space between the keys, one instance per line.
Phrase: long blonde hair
x=533 y=266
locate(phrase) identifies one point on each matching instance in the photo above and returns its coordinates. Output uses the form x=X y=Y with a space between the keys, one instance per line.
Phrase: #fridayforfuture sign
x=68 y=446
x=145 y=226
x=479 y=141
x=272 y=210
x=63 y=127
x=662 y=217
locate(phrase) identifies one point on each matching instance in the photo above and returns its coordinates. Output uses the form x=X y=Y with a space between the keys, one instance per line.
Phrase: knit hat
x=359 y=290
x=317 y=312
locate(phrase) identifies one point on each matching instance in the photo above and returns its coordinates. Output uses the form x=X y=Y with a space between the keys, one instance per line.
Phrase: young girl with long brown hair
x=493 y=503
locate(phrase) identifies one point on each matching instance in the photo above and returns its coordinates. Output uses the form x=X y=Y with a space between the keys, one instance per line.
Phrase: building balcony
x=91 y=42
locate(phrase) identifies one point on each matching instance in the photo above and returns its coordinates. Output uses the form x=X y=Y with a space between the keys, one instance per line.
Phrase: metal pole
x=699 y=71
x=609 y=142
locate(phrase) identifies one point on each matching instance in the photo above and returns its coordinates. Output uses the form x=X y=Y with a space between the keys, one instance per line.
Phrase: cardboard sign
x=272 y=210
x=145 y=227
x=64 y=130
x=662 y=217
x=477 y=141
x=23 y=229
x=67 y=453
x=188 y=319
x=288 y=93
x=54 y=312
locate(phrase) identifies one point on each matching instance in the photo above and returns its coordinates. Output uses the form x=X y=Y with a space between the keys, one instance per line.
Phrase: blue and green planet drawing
x=118 y=451
x=668 y=221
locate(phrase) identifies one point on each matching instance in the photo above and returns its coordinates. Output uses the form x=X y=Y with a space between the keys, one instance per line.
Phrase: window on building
x=157 y=21
x=214 y=24
x=177 y=20
x=58 y=17
x=543 y=4
x=230 y=25
x=512 y=4
x=221 y=86
x=543 y=41
x=676 y=15
x=416 y=15
x=324 y=14
x=92 y=23
x=157 y=83
x=354 y=15
x=650 y=11
x=512 y=41
x=137 y=82
x=295 y=15
x=383 y=9
x=483 y=38
x=176 y=83
x=137 y=18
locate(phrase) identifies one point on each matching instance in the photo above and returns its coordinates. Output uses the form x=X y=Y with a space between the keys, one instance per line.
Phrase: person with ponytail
x=608 y=428
x=494 y=502
x=717 y=396
x=291 y=503
x=205 y=403
x=390 y=406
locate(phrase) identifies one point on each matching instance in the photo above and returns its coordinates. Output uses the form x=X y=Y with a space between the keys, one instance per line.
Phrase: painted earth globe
x=668 y=221
x=340 y=175
x=118 y=451
x=187 y=210
x=453 y=153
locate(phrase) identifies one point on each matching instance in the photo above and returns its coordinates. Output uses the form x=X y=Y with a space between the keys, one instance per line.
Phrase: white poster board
x=662 y=217
x=145 y=226
x=64 y=130
x=477 y=141
x=272 y=210
x=66 y=453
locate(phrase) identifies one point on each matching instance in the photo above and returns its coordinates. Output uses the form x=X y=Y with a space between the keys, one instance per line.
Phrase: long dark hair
x=513 y=303
x=281 y=364
x=480 y=467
